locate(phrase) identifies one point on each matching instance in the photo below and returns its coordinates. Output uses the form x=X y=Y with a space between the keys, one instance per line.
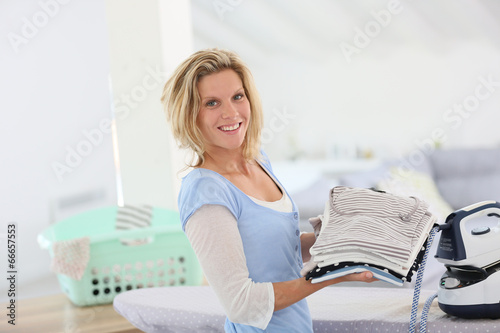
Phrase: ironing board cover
x=363 y=229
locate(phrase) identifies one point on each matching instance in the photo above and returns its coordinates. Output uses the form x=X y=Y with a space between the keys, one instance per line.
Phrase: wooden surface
x=56 y=313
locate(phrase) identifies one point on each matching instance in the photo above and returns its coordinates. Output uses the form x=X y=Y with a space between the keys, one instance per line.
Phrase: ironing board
x=333 y=309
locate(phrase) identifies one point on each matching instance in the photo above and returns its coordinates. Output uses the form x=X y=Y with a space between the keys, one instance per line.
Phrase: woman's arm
x=214 y=236
x=213 y=233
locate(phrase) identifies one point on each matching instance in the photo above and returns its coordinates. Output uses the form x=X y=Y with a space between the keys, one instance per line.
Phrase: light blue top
x=271 y=240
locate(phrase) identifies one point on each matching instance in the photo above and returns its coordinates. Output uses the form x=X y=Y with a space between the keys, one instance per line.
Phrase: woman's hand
x=355 y=277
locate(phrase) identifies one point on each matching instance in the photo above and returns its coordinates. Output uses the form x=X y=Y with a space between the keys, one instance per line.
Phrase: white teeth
x=230 y=128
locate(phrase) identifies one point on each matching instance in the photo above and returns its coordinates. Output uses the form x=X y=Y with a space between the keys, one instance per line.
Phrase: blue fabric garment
x=377 y=273
x=271 y=241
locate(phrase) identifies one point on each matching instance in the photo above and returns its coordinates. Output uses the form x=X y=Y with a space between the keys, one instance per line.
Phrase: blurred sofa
x=455 y=177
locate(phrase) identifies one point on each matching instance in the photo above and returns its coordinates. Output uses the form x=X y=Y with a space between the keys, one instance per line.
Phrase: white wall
x=55 y=96
x=388 y=105
x=387 y=93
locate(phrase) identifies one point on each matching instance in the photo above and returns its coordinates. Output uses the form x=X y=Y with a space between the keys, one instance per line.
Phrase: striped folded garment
x=364 y=229
x=130 y=217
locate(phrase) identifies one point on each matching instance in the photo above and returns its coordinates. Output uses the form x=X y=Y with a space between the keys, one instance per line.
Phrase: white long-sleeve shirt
x=213 y=233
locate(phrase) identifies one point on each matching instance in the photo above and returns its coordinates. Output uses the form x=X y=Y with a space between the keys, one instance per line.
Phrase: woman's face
x=224 y=111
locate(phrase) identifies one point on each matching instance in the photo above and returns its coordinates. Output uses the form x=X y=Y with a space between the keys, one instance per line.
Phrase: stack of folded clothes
x=368 y=230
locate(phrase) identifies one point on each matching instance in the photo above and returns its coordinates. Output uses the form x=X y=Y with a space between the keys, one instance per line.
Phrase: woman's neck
x=227 y=163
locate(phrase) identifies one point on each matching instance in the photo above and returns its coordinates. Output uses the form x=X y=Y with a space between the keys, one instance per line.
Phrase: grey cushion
x=467 y=176
x=367 y=179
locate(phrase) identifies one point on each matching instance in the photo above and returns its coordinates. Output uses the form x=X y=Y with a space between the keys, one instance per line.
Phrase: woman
x=242 y=224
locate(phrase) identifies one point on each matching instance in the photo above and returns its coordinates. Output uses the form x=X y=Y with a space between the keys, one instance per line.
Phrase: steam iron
x=470 y=287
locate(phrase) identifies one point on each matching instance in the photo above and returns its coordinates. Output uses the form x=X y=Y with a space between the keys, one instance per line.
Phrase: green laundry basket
x=166 y=259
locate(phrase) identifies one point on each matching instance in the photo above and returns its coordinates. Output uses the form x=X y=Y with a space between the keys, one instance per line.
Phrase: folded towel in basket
x=70 y=257
x=364 y=229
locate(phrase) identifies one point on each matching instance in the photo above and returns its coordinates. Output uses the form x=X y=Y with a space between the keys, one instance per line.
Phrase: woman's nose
x=230 y=111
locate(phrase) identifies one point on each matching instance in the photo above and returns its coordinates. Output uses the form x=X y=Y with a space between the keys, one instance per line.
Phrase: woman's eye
x=211 y=103
x=239 y=96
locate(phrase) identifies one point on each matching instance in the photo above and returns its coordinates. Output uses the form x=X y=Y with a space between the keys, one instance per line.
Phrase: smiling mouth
x=229 y=128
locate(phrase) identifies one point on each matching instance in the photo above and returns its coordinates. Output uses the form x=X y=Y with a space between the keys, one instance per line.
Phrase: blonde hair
x=181 y=100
